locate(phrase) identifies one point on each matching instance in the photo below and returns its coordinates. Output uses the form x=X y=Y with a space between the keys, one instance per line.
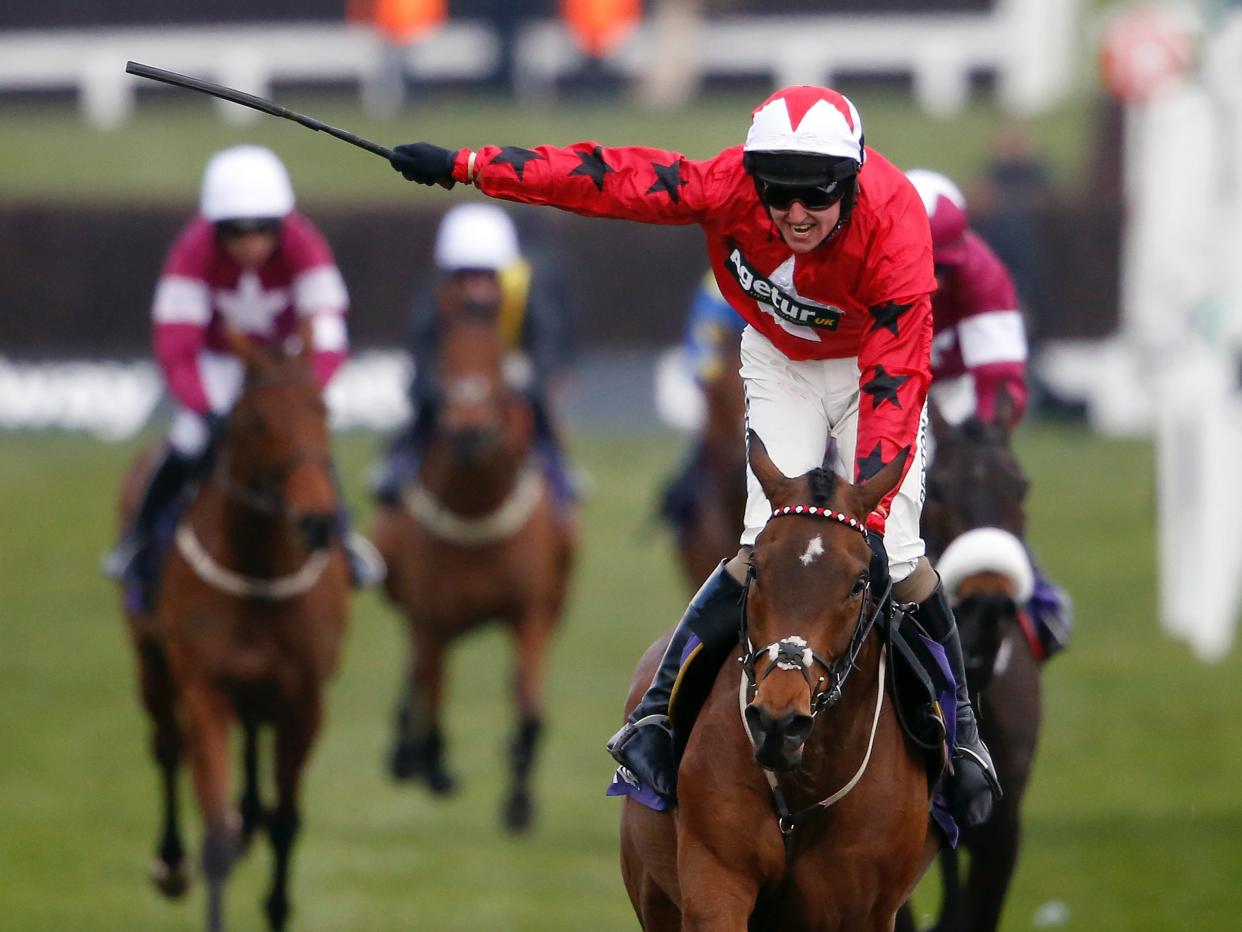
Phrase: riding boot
x=1052 y=611
x=974 y=785
x=163 y=487
x=645 y=744
x=551 y=457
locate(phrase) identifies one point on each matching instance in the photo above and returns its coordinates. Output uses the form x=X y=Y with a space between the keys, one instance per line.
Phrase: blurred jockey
x=823 y=247
x=480 y=240
x=711 y=327
x=249 y=261
x=979 y=348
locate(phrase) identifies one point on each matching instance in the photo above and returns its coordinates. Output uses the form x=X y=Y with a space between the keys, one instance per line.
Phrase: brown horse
x=852 y=838
x=247 y=623
x=708 y=531
x=975 y=481
x=477 y=540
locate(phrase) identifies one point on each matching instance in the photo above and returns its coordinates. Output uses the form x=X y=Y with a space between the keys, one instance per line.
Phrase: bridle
x=266 y=499
x=793 y=652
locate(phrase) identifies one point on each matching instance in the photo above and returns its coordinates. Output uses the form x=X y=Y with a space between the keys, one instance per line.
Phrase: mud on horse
x=801 y=804
x=974 y=524
x=477 y=539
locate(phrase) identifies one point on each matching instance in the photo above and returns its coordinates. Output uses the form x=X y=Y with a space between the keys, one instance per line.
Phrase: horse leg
x=714 y=898
x=294 y=737
x=251 y=803
x=210 y=716
x=169 y=871
x=418 y=751
x=992 y=861
x=953 y=903
x=532 y=635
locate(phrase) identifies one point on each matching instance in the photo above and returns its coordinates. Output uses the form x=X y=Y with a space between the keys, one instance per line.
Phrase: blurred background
x=1099 y=145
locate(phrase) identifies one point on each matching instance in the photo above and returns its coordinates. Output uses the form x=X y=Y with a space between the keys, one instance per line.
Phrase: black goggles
x=812 y=197
x=235 y=228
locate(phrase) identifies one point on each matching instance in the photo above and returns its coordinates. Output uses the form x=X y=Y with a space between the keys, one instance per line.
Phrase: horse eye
x=859 y=585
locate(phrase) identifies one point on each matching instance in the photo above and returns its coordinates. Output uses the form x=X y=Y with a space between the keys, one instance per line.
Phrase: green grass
x=48 y=154
x=1133 y=816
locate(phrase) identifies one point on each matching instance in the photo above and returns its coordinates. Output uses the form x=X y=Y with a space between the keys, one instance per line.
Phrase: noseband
x=793 y=652
x=267 y=499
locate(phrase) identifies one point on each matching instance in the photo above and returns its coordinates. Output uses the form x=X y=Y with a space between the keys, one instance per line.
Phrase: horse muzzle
x=474 y=445
x=318 y=529
x=777 y=740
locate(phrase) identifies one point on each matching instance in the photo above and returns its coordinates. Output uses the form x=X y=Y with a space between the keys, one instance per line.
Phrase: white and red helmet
x=946 y=212
x=805 y=135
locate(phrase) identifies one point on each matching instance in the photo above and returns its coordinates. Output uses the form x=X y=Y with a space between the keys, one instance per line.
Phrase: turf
x=1134 y=821
x=48 y=155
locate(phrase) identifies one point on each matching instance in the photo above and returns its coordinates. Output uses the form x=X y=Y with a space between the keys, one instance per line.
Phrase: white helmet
x=946 y=212
x=807 y=120
x=245 y=183
x=476 y=236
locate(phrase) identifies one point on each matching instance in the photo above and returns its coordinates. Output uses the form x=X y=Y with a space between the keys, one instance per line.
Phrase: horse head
x=275 y=455
x=475 y=410
x=809 y=602
x=974 y=522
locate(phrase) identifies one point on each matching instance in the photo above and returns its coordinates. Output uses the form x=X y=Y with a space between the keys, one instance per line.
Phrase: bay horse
x=706 y=526
x=477 y=539
x=975 y=482
x=247 y=623
x=785 y=821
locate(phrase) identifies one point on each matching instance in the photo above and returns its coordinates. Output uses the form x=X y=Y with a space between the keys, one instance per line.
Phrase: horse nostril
x=317 y=530
x=798 y=729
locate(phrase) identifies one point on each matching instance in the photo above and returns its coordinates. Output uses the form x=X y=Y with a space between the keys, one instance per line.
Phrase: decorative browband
x=817 y=512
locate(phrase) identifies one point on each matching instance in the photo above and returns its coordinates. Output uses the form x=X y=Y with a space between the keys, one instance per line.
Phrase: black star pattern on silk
x=593 y=166
x=517 y=157
x=884 y=387
x=668 y=178
x=886 y=316
x=871 y=464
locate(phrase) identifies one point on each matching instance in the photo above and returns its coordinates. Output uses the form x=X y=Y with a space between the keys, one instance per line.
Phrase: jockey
x=252 y=262
x=823 y=247
x=979 y=348
x=480 y=240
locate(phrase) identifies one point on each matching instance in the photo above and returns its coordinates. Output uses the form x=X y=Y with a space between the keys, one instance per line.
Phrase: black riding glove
x=424 y=163
x=878 y=571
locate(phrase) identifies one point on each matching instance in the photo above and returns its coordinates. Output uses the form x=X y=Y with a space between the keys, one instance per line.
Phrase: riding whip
x=255 y=103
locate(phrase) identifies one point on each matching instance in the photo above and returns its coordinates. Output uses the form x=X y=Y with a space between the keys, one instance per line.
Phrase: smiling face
x=803 y=230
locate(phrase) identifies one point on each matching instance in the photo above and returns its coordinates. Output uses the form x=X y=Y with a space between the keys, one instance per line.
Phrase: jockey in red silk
x=823 y=247
x=249 y=261
x=980 y=347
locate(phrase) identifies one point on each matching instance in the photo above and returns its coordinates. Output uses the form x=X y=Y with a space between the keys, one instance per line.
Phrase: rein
x=794 y=653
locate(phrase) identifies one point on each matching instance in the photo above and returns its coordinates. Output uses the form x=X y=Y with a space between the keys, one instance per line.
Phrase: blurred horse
x=975 y=482
x=477 y=540
x=247 y=624
x=830 y=831
x=706 y=502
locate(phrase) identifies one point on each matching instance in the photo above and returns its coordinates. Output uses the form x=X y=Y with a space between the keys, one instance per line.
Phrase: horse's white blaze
x=814 y=548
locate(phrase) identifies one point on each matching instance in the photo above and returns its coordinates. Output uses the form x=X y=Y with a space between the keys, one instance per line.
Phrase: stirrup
x=117 y=562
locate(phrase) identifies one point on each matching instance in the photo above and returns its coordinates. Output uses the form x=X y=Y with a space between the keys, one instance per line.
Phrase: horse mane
x=820 y=484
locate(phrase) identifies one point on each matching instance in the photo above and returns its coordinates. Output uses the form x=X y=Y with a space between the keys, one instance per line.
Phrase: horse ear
x=872 y=491
x=240 y=344
x=771 y=479
x=941 y=428
x=1006 y=408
